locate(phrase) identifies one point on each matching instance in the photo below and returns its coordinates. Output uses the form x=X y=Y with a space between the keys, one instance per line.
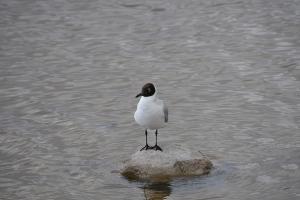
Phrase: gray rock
x=172 y=162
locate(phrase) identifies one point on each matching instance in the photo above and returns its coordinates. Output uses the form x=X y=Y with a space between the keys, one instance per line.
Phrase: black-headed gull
x=151 y=112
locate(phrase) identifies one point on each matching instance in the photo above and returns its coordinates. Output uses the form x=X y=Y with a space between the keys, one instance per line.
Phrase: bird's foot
x=146 y=147
x=156 y=147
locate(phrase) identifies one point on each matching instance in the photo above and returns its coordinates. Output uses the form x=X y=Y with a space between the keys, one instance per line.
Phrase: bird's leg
x=146 y=147
x=156 y=147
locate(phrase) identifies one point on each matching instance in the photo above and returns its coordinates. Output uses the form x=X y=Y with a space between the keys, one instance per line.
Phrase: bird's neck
x=151 y=98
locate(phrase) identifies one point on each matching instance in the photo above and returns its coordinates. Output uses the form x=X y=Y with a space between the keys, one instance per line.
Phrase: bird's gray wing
x=166 y=112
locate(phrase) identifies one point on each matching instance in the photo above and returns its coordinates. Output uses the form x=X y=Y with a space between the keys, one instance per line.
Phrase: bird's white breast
x=149 y=113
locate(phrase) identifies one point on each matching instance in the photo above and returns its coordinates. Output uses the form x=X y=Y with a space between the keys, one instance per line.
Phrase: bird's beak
x=138 y=95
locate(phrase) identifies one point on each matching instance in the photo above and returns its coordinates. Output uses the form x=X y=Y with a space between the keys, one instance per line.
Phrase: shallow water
x=69 y=71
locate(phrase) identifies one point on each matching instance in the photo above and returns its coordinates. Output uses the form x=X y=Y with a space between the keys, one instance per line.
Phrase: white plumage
x=151 y=113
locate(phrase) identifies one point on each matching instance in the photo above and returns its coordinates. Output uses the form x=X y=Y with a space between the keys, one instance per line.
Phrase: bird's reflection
x=156 y=190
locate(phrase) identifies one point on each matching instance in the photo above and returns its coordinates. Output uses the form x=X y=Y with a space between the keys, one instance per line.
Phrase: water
x=69 y=72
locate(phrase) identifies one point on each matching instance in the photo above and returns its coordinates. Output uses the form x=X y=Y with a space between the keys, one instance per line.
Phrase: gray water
x=229 y=71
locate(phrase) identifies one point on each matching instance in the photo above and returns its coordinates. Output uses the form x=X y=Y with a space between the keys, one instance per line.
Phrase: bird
x=151 y=113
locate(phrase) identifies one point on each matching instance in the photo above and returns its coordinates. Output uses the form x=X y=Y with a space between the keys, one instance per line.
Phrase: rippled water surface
x=69 y=71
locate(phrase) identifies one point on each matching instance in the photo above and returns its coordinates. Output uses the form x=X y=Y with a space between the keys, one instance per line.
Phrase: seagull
x=151 y=113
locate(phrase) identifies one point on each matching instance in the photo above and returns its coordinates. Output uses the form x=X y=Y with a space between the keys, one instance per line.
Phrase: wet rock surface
x=172 y=162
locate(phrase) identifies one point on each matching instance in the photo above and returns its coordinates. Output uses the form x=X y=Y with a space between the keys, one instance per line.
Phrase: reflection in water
x=157 y=191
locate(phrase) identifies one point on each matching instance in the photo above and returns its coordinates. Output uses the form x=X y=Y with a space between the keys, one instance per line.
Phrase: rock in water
x=172 y=162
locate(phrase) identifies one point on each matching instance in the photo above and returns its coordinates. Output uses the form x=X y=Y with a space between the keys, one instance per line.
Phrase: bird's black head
x=147 y=90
